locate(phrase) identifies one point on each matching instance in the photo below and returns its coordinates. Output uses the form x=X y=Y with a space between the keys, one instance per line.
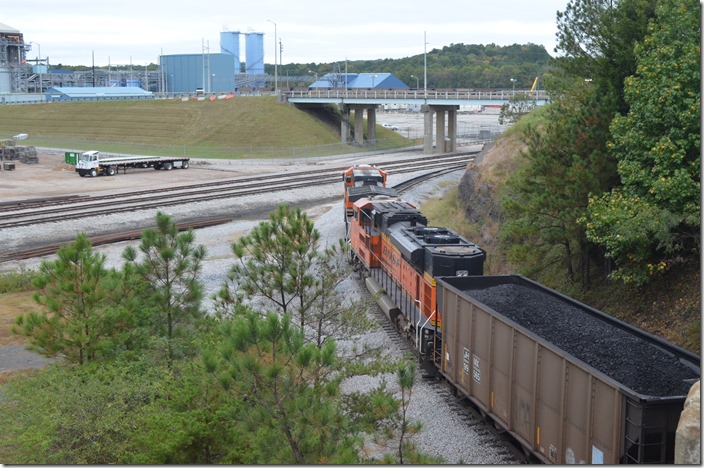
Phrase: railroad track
x=311 y=176
x=63 y=208
x=488 y=435
x=108 y=239
x=24 y=213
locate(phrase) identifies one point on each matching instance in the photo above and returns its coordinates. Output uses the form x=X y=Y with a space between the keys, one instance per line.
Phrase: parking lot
x=469 y=125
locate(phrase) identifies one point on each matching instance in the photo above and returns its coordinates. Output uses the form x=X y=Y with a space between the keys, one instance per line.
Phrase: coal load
x=630 y=360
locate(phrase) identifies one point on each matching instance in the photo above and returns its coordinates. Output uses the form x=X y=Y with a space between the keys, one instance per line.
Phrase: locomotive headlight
x=461 y=273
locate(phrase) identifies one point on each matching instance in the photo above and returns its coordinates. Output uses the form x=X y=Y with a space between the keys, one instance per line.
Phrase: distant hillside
x=453 y=66
x=256 y=122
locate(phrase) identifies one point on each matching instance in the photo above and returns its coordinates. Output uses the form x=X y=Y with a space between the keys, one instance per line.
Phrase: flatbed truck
x=92 y=163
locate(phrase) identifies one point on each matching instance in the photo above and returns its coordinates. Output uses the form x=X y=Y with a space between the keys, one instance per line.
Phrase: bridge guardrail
x=473 y=95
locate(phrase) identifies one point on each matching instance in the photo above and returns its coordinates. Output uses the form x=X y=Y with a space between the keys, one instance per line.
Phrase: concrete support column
x=427 y=129
x=371 y=125
x=452 y=129
x=359 y=126
x=345 y=128
x=440 y=131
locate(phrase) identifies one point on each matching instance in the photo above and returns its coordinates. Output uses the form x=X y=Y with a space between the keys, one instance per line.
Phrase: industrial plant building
x=26 y=76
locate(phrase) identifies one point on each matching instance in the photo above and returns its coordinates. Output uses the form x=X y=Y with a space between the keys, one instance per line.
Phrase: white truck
x=93 y=164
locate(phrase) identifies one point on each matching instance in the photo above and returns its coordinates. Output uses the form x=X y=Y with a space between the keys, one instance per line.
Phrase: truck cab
x=88 y=163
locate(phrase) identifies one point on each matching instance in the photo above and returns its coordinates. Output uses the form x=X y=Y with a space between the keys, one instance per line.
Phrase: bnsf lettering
x=390 y=257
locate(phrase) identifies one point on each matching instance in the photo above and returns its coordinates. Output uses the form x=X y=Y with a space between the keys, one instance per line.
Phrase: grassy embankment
x=243 y=127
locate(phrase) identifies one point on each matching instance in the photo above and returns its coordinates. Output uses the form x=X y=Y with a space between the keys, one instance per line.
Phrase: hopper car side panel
x=559 y=408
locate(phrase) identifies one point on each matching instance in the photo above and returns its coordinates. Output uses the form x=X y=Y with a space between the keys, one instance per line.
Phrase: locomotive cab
x=364 y=181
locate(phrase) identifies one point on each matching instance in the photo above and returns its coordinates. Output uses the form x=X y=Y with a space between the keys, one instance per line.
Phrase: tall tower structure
x=254 y=58
x=12 y=60
x=230 y=44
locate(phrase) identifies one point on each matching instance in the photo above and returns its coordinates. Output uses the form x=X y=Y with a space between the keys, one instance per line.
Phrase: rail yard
x=449 y=426
x=222 y=203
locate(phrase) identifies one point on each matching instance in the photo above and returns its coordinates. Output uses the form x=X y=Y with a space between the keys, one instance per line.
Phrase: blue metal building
x=187 y=73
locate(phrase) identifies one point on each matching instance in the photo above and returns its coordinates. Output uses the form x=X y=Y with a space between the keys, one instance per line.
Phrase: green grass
x=250 y=126
x=17 y=281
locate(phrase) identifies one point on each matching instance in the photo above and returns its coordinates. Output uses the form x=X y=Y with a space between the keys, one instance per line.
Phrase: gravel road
x=445 y=432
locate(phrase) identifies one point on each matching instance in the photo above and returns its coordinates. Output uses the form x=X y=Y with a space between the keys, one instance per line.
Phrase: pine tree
x=169 y=271
x=273 y=262
x=77 y=321
x=292 y=406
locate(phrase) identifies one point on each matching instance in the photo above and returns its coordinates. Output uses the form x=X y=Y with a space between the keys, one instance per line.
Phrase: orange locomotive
x=362 y=180
x=391 y=241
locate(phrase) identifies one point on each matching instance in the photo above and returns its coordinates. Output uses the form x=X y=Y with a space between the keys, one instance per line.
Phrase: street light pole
x=276 y=67
x=425 y=65
x=513 y=80
x=417 y=81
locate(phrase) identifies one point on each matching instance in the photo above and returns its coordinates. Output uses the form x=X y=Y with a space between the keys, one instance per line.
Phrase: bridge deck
x=409 y=96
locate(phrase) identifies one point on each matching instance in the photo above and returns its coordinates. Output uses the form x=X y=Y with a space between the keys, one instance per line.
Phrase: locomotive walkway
x=438 y=106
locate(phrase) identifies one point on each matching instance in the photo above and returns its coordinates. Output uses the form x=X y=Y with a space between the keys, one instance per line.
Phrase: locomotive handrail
x=418 y=328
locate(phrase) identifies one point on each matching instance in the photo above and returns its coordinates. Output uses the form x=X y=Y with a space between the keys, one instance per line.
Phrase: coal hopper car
x=570 y=383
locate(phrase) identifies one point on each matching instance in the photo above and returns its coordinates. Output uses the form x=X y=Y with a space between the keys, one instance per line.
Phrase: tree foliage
x=455 y=66
x=596 y=40
x=562 y=165
x=292 y=402
x=80 y=319
x=602 y=44
x=118 y=412
x=654 y=218
x=273 y=262
x=168 y=269
x=128 y=408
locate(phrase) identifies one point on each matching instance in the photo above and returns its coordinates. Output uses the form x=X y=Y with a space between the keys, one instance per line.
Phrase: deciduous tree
x=654 y=218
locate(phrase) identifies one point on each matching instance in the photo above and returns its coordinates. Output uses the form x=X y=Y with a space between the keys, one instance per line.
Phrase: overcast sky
x=311 y=31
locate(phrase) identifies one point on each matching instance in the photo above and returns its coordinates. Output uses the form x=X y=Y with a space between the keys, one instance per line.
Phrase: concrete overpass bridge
x=440 y=109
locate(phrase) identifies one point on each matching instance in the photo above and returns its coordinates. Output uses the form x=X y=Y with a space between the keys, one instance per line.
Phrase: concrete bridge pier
x=345 y=127
x=439 y=111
